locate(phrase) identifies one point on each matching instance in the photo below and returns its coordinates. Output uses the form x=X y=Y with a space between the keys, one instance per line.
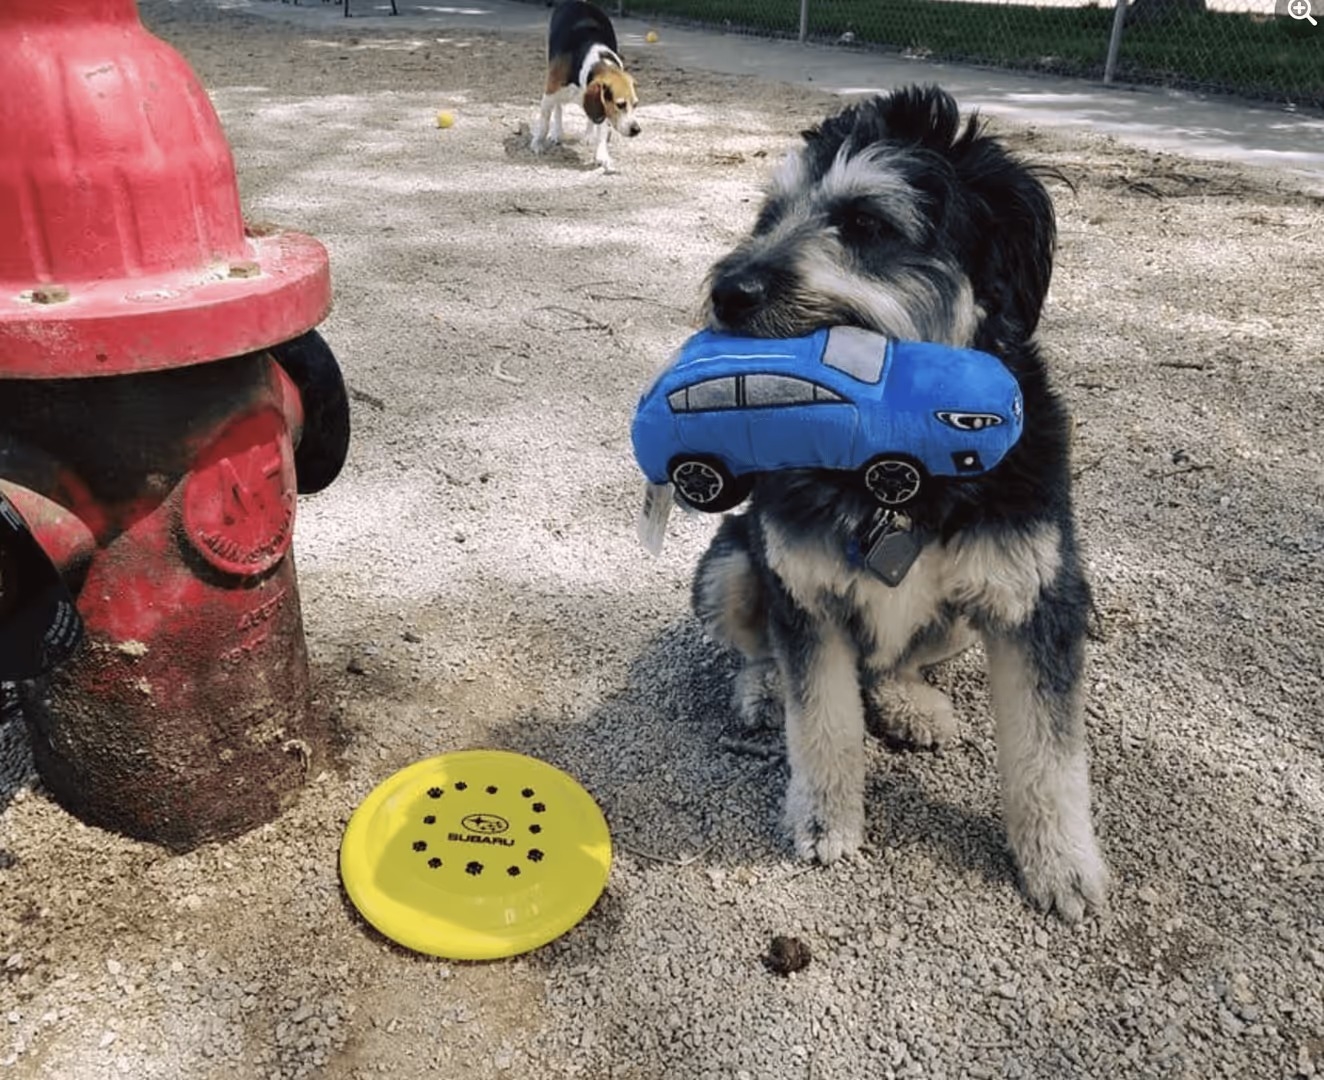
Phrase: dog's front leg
x=1035 y=675
x=824 y=737
x=911 y=712
x=602 y=156
x=545 y=108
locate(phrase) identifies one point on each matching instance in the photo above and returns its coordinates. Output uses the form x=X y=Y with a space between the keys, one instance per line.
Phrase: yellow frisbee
x=476 y=855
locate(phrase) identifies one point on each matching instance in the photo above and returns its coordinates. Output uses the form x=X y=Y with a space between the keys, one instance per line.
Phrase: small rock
x=355 y=667
x=114 y=967
x=411 y=637
x=106 y=1039
x=1229 y=1023
x=787 y=955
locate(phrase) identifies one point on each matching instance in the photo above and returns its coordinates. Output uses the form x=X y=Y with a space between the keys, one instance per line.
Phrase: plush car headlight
x=969 y=421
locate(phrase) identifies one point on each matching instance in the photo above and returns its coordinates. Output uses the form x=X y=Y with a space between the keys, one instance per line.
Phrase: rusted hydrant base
x=170 y=777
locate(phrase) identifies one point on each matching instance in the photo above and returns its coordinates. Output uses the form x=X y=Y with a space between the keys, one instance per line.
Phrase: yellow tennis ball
x=651 y=37
x=445 y=118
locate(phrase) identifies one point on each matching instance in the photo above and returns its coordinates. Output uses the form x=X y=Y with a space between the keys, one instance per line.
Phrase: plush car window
x=713 y=394
x=858 y=353
x=777 y=390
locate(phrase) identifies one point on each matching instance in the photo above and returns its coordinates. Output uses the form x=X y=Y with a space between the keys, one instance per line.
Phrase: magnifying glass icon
x=1300 y=9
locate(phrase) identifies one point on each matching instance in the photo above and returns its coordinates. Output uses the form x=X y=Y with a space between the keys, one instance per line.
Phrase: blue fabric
x=934 y=403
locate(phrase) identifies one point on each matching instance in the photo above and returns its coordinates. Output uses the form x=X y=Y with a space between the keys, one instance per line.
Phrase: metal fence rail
x=1262 y=49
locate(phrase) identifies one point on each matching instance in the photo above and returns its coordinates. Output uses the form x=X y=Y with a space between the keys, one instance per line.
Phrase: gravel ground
x=473 y=579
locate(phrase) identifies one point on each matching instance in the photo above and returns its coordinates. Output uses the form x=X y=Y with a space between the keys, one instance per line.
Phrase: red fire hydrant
x=158 y=370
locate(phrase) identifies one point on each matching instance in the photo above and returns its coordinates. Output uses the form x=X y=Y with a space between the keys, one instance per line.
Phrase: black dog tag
x=39 y=624
x=889 y=545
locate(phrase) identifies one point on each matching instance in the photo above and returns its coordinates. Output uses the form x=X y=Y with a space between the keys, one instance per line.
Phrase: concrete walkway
x=1174 y=121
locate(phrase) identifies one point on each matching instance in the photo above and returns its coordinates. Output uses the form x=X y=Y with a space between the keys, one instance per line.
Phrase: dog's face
x=610 y=98
x=894 y=217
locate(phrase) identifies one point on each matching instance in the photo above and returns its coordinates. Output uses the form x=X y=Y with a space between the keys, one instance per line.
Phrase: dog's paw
x=757 y=697
x=818 y=835
x=914 y=714
x=827 y=847
x=1066 y=878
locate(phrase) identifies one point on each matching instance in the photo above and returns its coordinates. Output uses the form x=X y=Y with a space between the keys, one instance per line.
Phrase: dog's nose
x=634 y=130
x=736 y=295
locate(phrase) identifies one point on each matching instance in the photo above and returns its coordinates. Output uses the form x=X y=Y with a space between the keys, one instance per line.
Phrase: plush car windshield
x=858 y=353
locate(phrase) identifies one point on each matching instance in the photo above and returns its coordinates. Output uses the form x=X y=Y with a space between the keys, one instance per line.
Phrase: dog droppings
x=787 y=955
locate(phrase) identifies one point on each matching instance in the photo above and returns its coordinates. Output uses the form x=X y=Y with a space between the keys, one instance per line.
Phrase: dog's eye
x=863 y=221
x=860 y=223
x=606 y=94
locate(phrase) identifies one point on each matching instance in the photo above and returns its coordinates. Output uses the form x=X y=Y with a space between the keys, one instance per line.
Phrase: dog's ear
x=1000 y=203
x=1016 y=234
x=925 y=116
x=593 y=106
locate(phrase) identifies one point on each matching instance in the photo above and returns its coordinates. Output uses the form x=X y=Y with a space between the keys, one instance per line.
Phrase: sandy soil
x=476 y=567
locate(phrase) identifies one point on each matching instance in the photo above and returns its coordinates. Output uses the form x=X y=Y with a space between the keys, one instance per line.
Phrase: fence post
x=1114 y=41
x=804 y=20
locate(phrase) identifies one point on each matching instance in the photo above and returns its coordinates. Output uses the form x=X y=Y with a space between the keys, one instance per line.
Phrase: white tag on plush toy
x=652 y=523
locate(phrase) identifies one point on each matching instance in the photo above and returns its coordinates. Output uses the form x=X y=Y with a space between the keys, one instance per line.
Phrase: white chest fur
x=997 y=577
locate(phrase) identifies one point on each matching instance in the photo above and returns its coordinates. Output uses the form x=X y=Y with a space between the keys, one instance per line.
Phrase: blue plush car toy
x=897 y=412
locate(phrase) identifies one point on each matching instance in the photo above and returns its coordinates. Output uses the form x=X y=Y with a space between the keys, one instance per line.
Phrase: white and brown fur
x=895 y=216
x=583 y=63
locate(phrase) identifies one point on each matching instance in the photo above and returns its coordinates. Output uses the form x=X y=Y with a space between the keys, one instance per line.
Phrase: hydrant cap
x=122 y=243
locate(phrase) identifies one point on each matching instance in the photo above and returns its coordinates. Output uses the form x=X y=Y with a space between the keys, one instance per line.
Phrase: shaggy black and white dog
x=897 y=217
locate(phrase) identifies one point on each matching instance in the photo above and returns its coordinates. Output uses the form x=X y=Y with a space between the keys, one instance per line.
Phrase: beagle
x=582 y=62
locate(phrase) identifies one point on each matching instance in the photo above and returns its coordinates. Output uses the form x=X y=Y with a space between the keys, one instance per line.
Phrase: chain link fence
x=1261 y=49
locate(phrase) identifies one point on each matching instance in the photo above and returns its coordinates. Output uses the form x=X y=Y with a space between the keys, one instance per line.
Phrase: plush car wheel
x=893 y=480
x=706 y=484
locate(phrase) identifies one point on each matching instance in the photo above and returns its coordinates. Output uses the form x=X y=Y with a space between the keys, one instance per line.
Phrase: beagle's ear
x=593 y=106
